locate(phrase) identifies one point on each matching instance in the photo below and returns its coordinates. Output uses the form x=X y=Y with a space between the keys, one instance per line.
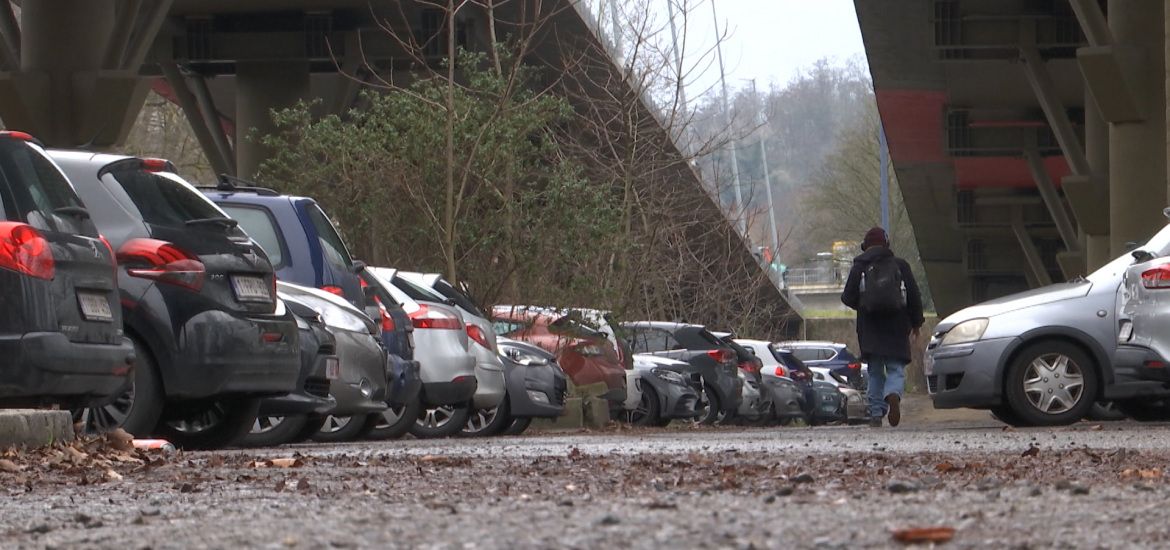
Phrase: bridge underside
x=1029 y=138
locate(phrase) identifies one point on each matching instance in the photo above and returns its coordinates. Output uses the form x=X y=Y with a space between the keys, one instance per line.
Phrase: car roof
x=751 y=342
x=665 y=325
x=78 y=157
x=811 y=344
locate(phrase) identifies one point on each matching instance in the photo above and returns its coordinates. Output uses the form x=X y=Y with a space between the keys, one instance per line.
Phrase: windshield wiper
x=226 y=222
x=75 y=211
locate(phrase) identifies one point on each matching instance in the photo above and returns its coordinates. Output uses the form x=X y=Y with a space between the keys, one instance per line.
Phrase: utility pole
x=740 y=222
x=774 y=237
x=615 y=30
x=680 y=85
x=884 y=160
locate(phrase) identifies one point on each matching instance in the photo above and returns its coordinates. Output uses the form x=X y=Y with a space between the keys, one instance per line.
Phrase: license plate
x=95 y=307
x=332 y=368
x=251 y=289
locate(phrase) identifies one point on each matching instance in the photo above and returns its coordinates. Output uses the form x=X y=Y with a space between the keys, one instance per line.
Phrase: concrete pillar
x=1137 y=150
x=260 y=88
x=59 y=40
x=1097 y=251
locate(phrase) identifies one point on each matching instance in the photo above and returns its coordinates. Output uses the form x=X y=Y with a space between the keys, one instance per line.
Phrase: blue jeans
x=887 y=376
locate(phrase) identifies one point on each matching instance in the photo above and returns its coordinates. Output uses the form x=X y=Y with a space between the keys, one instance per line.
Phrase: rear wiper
x=75 y=211
x=227 y=222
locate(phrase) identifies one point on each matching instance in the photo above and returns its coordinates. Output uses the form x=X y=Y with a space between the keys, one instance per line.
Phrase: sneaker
x=875 y=422
x=895 y=414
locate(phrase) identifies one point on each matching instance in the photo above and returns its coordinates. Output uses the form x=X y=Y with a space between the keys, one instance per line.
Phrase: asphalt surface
x=1092 y=485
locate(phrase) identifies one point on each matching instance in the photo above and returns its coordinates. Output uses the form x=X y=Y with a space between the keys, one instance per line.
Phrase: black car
x=198 y=300
x=694 y=344
x=537 y=388
x=60 y=327
x=821 y=402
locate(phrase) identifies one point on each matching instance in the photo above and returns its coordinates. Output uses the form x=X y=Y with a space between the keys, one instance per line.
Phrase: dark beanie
x=875 y=237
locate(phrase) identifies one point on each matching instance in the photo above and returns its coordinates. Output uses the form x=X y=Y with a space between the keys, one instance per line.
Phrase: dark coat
x=886 y=334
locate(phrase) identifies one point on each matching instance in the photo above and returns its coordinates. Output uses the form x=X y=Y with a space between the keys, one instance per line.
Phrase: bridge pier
x=262 y=86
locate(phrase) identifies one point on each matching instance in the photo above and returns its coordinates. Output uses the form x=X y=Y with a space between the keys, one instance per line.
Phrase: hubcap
x=480 y=419
x=436 y=417
x=1054 y=383
x=201 y=420
x=107 y=417
x=266 y=424
x=334 y=423
x=390 y=416
x=704 y=407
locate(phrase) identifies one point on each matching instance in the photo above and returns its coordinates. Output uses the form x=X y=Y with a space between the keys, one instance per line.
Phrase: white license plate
x=251 y=289
x=332 y=368
x=95 y=307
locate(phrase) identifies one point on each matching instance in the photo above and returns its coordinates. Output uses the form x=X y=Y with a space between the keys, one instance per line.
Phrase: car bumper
x=828 y=404
x=490 y=386
x=221 y=353
x=455 y=392
x=786 y=398
x=966 y=375
x=313 y=396
x=1138 y=371
x=47 y=365
x=535 y=391
x=405 y=383
x=675 y=400
x=363 y=384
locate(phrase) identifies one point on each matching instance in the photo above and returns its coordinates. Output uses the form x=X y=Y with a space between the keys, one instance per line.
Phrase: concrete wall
x=845 y=330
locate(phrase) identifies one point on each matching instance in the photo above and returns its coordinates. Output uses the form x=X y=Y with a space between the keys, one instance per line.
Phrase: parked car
x=1043 y=357
x=446 y=363
x=282 y=419
x=757 y=402
x=856 y=402
x=659 y=390
x=823 y=403
x=586 y=356
x=537 y=388
x=304 y=246
x=708 y=356
x=489 y=368
x=404 y=401
x=834 y=356
x=61 y=330
x=1143 y=341
x=361 y=386
x=779 y=376
x=198 y=300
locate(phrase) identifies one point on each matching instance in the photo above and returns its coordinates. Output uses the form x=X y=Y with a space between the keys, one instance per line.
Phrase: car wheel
x=1051 y=384
x=1146 y=410
x=518 y=426
x=337 y=429
x=711 y=410
x=210 y=425
x=443 y=421
x=647 y=412
x=487 y=422
x=395 y=421
x=137 y=409
x=1105 y=411
x=270 y=431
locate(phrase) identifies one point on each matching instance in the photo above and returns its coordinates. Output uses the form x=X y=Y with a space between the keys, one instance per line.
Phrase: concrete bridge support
x=260 y=88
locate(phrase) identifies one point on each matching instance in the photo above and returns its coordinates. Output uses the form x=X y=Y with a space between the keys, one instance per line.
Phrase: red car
x=585 y=355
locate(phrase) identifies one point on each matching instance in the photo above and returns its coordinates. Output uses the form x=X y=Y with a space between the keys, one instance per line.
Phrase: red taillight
x=335 y=290
x=272 y=337
x=163 y=262
x=429 y=317
x=157 y=165
x=854 y=366
x=477 y=335
x=1154 y=364
x=721 y=355
x=387 y=321
x=23 y=136
x=24 y=250
x=780 y=371
x=749 y=367
x=1158 y=277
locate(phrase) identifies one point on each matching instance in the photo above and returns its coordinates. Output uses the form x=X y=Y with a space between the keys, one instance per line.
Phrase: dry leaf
x=916 y=535
x=113 y=476
x=1032 y=451
x=9 y=466
x=284 y=462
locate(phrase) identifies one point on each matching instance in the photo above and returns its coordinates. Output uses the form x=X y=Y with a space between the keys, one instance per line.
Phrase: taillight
x=749 y=367
x=157 y=165
x=24 y=250
x=335 y=290
x=854 y=366
x=476 y=334
x=780 y=371
x=429 y=317
x=1158 y=277
x=163 y=262
x=387 y=320
x=721 y=355
x=23 y=136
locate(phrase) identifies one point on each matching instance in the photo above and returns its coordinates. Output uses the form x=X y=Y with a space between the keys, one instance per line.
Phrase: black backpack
x=882 y=289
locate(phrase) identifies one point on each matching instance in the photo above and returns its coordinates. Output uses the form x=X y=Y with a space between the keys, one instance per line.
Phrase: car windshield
x=1158 y=245
x=36 y=192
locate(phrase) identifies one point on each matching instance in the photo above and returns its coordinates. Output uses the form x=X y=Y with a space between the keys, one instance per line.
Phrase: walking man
x=882 y=289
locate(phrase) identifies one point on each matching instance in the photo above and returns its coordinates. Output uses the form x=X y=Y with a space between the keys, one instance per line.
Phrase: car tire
x=338 y=429
x=271 y=431
x=395 y=421
x=648 y=411
x=1036 y=390
x=1105 y=411
x=136 y=410
x=518 y=426
x=442 y=421
x=313 y=423
x=212 y=425
x=713 y=410
x=487 y=422
x=1146 y=410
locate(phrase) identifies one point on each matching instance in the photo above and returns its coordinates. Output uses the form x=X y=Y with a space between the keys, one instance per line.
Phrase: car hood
x=1012 y=302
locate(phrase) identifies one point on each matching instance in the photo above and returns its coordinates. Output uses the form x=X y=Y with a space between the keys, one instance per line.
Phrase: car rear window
x=417 y=292
x=457 y=296
x=163 y=199
x=36 y=191
x=332 y=245
x=258 y=224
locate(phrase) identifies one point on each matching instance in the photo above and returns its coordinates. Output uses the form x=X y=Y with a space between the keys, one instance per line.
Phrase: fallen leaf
x=113 y=476
x=284 y=462
x=9 y=466
x=916 y=535
x=1032 y=451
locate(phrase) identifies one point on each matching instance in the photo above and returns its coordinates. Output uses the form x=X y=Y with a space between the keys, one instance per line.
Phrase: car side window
x=807 y=354
x=829 y=353
x=331 y=243
x=504 y=328
x=258 y=224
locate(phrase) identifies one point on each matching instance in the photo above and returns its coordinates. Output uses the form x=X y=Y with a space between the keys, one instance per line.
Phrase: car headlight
x=332 y=315
x=521 y=357
x=965 y=332
x=668 y=375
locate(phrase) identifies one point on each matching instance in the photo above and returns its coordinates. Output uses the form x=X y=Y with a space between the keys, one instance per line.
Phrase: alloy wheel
x=201 y=420
x=109 y=416
x=390 y=416
x=335 y=423
x=481 y=419
x=1053 y=383
x=266 y=424
x=436 y=417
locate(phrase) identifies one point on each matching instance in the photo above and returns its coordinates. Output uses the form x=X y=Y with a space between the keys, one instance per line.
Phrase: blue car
x=306 y=249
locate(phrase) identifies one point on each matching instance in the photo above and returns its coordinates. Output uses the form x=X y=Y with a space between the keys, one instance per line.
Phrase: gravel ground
x=1090 y=485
